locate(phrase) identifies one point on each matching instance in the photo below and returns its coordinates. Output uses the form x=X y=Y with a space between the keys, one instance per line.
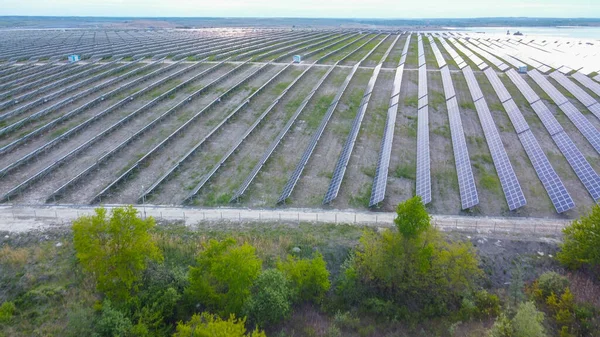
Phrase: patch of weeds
x=368 y=171
x=406 y=171
x=443 y=130
x=321 y=105
x=362 y=197
x=436 y=99
x=468 y=105
x=411 y=101
x=476 y=140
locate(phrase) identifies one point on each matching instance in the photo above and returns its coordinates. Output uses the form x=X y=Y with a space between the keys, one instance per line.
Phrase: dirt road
x=25 y=218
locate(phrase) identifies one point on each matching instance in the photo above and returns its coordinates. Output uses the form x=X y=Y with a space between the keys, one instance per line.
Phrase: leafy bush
x=309 y=277
x=116 y=249
x=7 y=309
x=404 y=267
x=581 y=241
x=487 y=304
x=224 y=276
x=271 y=298
x=112 y=322
x=552 y=283
x=207 y=325
x=527 y=322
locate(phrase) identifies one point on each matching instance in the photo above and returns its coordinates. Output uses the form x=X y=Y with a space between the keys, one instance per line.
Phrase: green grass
x=406 y=171
x=362 y=197
x=313 y=119
x=469 y=105
x=436 y=99
x=411 y=101
x=442 y=130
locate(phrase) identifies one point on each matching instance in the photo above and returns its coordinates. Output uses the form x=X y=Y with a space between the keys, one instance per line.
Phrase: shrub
x=207 y=324
x=224 y=275
x=112 y=322
x=528 y=321
x=270 y=300
x=116 y=249
x=403 y=267
x=487 y=304
x=552 y=282
x=7 y=309
x=309 y=277
x=581 y=241
x=502 y=327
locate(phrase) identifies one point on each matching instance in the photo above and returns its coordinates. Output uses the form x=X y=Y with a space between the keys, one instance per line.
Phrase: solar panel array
x=342 y=163
x=508 y=179
x=468 y=53
x=466 y=181
x=472 y=44
x=295 y=176
x=556 y=190
x=460 y=62
x=385 y=152
x=583 y=124
x=577 y=161
x=587 y=82
x=586 y=99
x=423 y=183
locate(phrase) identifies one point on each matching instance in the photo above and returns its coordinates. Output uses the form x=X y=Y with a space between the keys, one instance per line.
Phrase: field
x=223 y=117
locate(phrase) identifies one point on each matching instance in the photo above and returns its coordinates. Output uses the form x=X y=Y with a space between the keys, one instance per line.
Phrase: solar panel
x=472 y=84
x=582 y=168
x=587 y=82
x=547 y=117
x=447 y=83
x=383 y=162
x=557 y=192
x=582 y=96
x=516 y=117
x=597 y=78
x=422 y=89
x=342 y=163
x=498 y=85
x=583 y=124
x=466 y=181
x=554 y=94
x=423 y=184
x=523 y=86
x=506 y=174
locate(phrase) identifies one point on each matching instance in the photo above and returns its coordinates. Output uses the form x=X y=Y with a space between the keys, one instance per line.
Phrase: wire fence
x=19 y=217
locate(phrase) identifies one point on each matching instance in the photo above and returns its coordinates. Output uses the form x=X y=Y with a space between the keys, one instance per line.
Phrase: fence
x=21 y=218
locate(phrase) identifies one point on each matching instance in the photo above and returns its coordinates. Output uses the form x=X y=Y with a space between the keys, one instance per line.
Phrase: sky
x=306 y=8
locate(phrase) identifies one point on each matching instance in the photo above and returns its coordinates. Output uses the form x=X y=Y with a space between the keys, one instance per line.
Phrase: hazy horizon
x=332 y=9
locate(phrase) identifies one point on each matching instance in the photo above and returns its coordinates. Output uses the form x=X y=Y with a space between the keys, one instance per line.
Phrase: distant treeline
x=102 y=22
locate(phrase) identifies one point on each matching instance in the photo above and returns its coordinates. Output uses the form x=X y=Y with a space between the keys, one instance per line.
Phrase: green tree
x=224 y=275
x=309 y=277
x=412 y=218
x=528 y=321
x=414 y=268
x=7 y=310
x=209 y=325
x=115 y=249
x=581 y=241
x=112 y=322
x=271 y=299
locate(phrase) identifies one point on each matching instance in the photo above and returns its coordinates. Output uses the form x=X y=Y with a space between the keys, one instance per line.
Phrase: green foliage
x=309 y=277
x=517 y=283
x=7 y=309
x=208 y=325
x=412 y=218
x=502 y=327
x=112 y=322
x=481 y=305
x=552 y=283
x=581 y=241
x=271 y=299
x=115 y=250
x=528 y=321
x=224 y=275
x=413 y=271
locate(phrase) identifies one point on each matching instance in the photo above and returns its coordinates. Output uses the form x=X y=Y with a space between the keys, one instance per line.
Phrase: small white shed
x=522 y=69
x=297 y=58
x=74 y=58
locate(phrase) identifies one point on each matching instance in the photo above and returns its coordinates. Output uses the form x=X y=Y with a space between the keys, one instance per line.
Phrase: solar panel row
x=587 y=82
x=575 y=158
x=455 y=56
x=381 y=172
x=423 y=183
x=474 y=88
x=494 y=60
x=582 y=96
x=437 y=53
x=508 y=179
x=557 y=192
x=583 y=124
